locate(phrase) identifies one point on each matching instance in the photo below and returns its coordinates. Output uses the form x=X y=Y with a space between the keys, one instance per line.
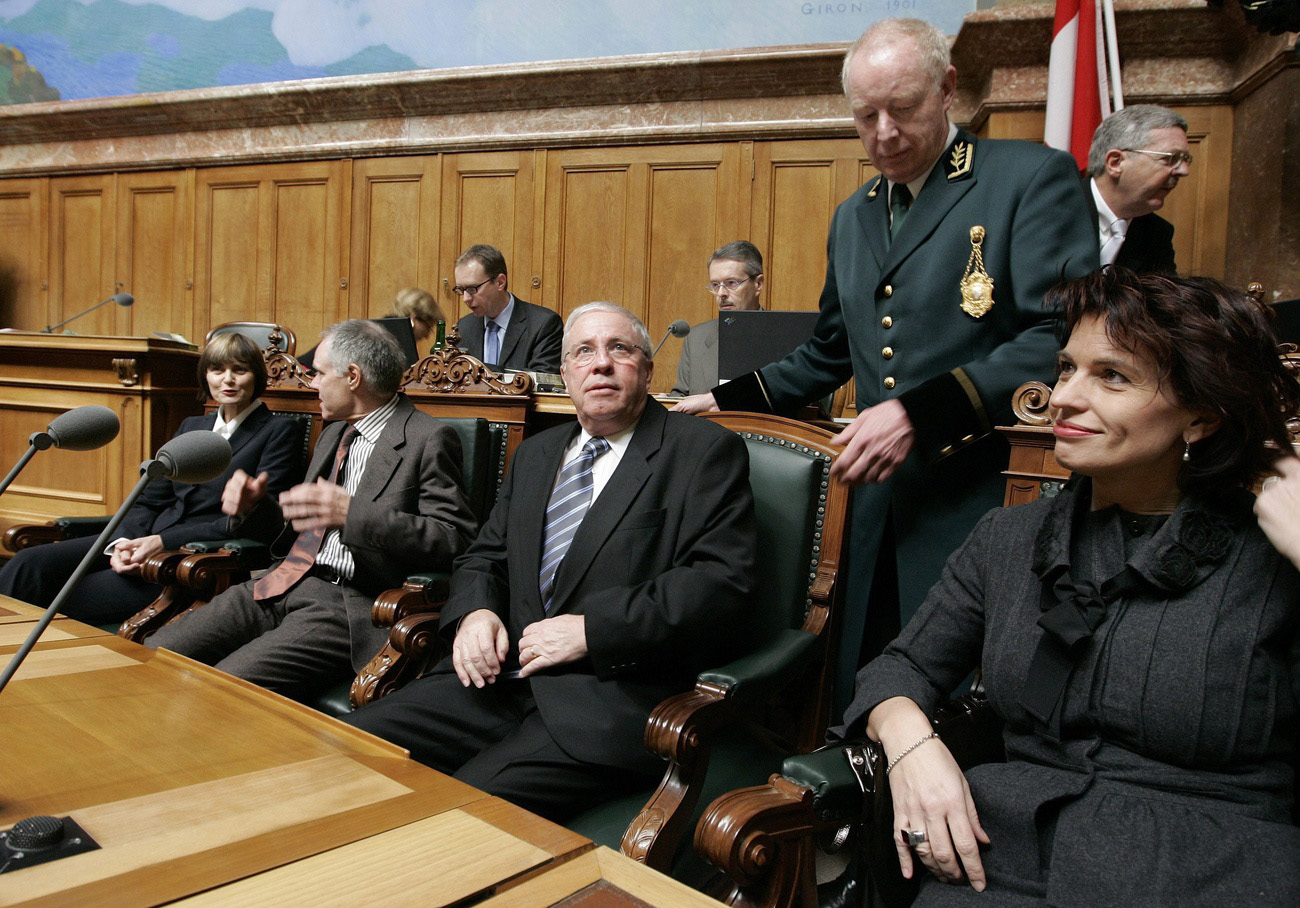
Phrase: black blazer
x=662 y=568
x=181 y=512
x=1148 y=245
x=532 y=339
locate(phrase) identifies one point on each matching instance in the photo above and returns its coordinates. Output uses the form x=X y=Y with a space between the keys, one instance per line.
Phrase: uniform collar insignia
x=875 y=187
x=961 y=158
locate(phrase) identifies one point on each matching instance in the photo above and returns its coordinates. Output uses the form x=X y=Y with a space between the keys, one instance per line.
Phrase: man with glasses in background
x=735 y=280
x=1137 y=157
x=618 y=562
x=501 y=329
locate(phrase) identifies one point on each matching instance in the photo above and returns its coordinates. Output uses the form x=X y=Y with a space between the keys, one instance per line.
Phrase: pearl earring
x=1187 y=451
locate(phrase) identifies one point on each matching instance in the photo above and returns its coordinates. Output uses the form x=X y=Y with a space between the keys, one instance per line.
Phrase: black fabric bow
x=1071 y=615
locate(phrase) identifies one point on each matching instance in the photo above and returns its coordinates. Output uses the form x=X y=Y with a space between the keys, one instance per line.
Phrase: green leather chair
x=740 y=719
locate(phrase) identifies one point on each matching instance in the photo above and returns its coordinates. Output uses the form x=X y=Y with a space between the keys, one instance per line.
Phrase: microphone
x=122 y=299
x=192 y=457
x=678 y=328
x=83 y=429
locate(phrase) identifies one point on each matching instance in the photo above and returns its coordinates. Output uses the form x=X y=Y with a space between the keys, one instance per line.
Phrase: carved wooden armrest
x=160 y=569
x=411 y=645
x=681 y=730
x=421 y=593
x=761 y=837
x=17 y=538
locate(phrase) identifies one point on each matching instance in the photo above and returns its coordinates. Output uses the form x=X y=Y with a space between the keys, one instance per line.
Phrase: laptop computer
x=750 y=339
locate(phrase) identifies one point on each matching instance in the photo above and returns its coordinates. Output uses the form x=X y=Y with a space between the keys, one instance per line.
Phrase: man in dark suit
x=382 y=500
x=502 y=330
x=736 y=281
x=1137 y=157
x=559 y=654
x=933 y=302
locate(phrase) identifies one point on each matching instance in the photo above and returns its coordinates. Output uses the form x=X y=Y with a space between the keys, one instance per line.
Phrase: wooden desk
x=200 y=787
x=190 y=779
x=148 y=383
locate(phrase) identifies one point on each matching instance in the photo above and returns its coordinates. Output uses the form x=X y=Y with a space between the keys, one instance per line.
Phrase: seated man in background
x=735 y=280
x=1137 y=157
x=383 y=500
x=617 y=564
x=503 y=330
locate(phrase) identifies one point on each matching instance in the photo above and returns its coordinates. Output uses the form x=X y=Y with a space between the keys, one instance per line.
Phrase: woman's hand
x=131 y=553
x=1278 y=508
x=930 y=795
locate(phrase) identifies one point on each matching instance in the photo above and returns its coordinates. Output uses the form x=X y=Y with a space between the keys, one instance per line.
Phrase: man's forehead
x=1168 y=138
x=472 y=268
x=596 y=325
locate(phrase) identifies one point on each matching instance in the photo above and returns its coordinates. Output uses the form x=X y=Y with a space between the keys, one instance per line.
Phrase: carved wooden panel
x=82 y=254
x=23 y=222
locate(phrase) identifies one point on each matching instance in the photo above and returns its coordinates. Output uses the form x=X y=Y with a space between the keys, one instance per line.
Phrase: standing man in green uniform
x=934 y=302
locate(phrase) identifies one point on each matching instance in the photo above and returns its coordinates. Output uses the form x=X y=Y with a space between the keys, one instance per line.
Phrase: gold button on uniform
x=887 y=353
x=889 y=381
x=889 y=290
x=887 y=321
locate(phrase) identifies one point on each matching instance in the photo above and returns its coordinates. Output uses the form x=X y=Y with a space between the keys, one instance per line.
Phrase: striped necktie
x=569 y=504
x=302 y=557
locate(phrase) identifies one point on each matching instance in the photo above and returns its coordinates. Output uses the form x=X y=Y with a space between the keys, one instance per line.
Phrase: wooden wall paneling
x=636 y=226
x=1198 y=208
x=488 y=197
x=231 y=243
x=394 y=231
x=23 y=249
x=155 y=250
x=797 y=186
x=82 y=254
x=309 y=277
x=270 y=245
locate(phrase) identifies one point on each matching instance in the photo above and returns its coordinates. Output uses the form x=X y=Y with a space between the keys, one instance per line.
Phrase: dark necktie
x=569 y=504
x=900 y=203
x=302 y=556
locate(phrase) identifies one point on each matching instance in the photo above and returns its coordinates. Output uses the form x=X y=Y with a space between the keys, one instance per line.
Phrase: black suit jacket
x=662 y=569
x=1148 y=245
x=408 y=514
x=182 y=512
x=532 y=339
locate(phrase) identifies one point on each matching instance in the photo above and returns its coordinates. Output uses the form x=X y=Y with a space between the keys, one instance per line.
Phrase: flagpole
x=1112 y=54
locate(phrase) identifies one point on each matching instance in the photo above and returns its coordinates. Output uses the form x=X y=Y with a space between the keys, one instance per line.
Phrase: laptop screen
x=751 y=339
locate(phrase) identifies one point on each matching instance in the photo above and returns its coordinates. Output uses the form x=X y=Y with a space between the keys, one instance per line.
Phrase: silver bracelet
x=906 y=751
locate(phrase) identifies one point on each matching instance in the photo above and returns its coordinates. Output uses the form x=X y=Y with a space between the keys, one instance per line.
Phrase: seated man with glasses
x=617 y=563
x=1137 y=157
x=501 y=329
x=735 y=280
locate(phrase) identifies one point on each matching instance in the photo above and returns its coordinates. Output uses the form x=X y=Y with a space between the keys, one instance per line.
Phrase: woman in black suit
x=1138 y=633
x=169 y=514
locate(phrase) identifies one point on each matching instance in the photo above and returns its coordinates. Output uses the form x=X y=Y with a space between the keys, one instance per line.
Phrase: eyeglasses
x=715 y=287
x=470 y=291
x=1170 y=159
x=619 y=351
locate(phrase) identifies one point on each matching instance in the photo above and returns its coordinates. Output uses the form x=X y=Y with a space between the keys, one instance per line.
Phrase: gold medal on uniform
x=976 y=286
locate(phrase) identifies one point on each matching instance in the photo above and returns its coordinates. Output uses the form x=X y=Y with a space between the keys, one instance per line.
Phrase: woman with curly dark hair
x=1138 y=634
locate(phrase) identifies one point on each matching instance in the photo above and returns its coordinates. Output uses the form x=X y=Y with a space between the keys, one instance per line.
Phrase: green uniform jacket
x=891 y=317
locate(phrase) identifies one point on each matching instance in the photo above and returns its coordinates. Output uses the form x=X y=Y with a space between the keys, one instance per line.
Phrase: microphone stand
x=38 y=441
x=122 y=299
x=149 y=471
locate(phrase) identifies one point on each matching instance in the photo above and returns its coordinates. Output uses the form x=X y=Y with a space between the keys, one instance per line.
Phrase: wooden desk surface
x=190 y=779
x=198 y=786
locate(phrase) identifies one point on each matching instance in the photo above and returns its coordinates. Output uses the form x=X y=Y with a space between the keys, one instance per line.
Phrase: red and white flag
x=1076 y=98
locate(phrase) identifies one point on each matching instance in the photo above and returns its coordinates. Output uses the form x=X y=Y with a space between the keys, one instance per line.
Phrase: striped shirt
x=333 y=553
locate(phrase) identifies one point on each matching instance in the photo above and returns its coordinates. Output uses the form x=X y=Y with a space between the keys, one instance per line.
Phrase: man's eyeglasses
x=470 y=291
x=1170 y=159
x=618 y=351
x=715 y=287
